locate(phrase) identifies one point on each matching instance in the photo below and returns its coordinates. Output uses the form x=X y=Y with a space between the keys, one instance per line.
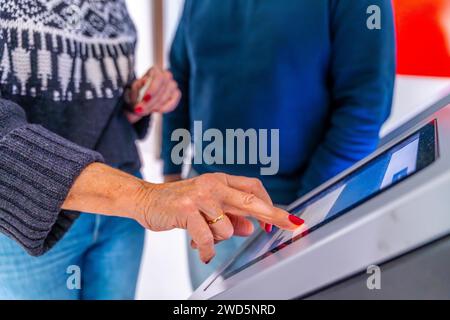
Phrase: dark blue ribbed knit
x=37 y=170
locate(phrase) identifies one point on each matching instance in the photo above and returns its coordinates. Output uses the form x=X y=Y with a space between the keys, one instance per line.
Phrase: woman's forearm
x=211 y=207
x=104 y=190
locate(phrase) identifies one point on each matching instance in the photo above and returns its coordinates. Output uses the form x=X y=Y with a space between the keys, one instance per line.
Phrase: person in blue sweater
x=322 y=72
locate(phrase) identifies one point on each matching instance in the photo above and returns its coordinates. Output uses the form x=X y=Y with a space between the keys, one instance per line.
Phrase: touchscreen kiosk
x=367 y=215
x=398 y=163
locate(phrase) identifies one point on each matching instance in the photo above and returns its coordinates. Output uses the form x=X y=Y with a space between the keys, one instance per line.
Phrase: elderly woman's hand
x=156 y=91
x=212 y=207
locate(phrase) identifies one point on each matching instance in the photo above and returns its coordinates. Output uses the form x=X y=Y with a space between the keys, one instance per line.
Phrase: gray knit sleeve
x=37 y=170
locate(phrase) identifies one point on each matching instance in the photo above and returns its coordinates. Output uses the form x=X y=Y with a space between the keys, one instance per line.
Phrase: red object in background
x=423 y=37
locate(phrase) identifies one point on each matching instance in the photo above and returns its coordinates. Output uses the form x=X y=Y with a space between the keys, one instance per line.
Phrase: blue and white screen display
x=384 y=171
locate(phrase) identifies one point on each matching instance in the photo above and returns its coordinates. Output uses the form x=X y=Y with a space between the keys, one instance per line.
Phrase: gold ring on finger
x=219 y=218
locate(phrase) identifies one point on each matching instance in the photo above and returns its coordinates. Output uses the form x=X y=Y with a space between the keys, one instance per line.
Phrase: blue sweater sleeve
x=179 y=118
x=362 y=75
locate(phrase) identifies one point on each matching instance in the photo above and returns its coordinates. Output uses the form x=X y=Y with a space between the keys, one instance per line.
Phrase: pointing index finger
x=246 y=204
x=249 y=185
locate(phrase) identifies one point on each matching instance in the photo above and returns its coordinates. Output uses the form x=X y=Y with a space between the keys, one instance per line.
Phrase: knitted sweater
x=64 y=66
x=310 y=68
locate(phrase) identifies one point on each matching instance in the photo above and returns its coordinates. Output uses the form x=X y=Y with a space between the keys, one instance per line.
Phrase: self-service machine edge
x=379 y=230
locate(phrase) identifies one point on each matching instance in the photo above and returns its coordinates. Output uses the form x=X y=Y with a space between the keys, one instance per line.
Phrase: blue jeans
x=107 y=251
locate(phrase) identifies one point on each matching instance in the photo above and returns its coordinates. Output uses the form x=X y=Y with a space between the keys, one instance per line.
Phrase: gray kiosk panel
x=386 y=206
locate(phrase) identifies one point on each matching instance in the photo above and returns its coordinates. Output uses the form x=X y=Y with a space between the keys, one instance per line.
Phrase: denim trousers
x=104 y=252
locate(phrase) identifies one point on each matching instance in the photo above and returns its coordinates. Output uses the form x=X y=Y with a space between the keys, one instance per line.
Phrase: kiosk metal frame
x=408 y=216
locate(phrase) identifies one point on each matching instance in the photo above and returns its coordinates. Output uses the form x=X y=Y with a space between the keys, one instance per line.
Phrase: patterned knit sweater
x=64 y=66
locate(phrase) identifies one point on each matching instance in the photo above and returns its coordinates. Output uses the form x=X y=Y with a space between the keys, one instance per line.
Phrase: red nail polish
x=296 y=220
x=138 y=109
x=268 y=228
x=147 y=97
x=207 y=261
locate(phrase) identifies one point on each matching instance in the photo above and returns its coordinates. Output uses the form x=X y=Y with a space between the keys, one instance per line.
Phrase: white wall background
x=164 y=273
